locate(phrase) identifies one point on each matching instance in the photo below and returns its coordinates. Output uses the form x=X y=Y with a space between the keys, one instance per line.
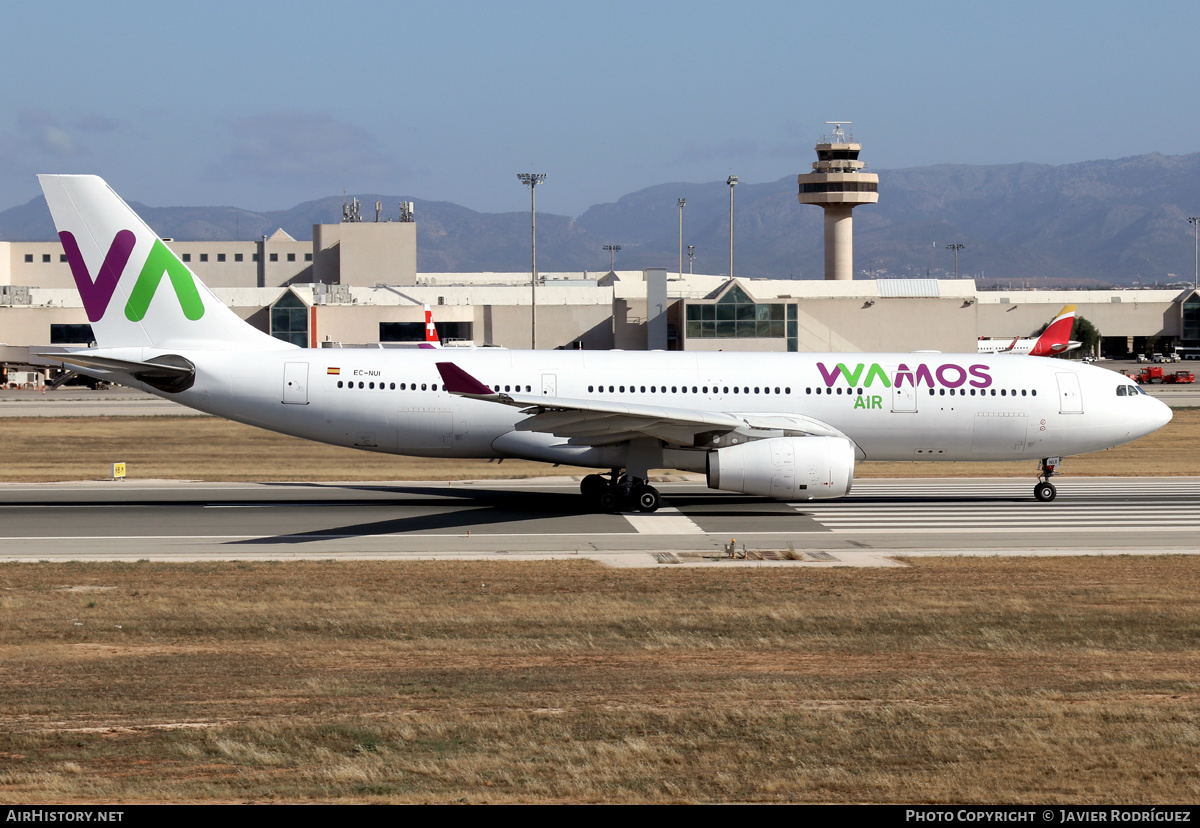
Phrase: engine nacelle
x=785 y=468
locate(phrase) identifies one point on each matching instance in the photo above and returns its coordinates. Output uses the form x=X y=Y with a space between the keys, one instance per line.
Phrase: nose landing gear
x=1044 y=491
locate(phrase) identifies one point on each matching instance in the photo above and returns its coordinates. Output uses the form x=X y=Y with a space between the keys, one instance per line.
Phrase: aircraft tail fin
x=431 y=334
x=135 y=290
x=1057 y=337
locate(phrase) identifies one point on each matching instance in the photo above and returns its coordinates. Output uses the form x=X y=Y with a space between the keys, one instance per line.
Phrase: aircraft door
x=295 y=383
x=549 y=385
x=1070 y=398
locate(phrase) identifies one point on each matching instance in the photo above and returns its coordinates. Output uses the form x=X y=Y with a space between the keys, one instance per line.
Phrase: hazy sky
x=267 y=104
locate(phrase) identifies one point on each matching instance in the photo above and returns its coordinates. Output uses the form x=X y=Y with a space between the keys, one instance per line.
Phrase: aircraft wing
x=602 y=422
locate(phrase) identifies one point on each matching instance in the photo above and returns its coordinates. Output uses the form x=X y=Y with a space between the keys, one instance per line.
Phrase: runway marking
x=666 y=521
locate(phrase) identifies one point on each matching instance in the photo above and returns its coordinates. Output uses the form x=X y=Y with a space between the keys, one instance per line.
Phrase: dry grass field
x=1054 y=680
x=205 y=448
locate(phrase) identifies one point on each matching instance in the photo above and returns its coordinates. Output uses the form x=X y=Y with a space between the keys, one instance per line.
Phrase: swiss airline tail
x=136 y=292
x=1057 y=337
x=431 y=335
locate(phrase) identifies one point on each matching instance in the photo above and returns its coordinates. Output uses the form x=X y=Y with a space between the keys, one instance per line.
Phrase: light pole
x=531 y=180
x=691 y=257
x=1195 y=222
x=682 y=202
x=955 y=248
x=732 y=182
x=612 y=249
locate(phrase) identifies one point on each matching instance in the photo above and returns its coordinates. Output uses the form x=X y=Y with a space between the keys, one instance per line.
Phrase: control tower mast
x=838 y=185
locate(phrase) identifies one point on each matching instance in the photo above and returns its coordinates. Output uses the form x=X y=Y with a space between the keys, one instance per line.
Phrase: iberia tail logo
x=97 y=292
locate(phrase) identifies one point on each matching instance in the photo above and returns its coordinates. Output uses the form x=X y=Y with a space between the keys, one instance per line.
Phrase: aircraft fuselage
x=903 y=406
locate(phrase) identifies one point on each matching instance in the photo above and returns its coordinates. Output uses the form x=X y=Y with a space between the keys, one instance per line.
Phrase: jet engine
x=785 y=468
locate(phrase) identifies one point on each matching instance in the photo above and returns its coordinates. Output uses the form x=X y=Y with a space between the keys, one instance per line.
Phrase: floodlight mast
x=612 y=249
x=1195 y=222
x=955 y=247
x=531 y=180
x=682 y=202
x=732 y=182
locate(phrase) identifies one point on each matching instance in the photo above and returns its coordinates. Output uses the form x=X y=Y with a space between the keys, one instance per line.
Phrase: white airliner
x=781 y=425
x=1056 y=339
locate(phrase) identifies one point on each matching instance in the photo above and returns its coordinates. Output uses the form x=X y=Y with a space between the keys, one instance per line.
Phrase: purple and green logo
x=97 y=293
x=949 y=375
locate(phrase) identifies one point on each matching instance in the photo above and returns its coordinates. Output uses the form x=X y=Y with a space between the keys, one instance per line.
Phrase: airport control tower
x=838 y=184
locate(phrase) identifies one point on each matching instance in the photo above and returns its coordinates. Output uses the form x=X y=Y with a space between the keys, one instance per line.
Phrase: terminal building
x=356 y=284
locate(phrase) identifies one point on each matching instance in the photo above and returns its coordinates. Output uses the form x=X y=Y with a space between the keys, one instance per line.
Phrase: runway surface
x=547 y=518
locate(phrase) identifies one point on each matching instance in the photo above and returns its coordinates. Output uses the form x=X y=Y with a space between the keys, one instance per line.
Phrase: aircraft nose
x=1162 y=414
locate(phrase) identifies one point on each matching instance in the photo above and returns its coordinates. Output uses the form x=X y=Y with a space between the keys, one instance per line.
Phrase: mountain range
x=1118 y=221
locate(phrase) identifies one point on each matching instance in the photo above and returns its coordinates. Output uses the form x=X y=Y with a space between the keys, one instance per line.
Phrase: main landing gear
x=1044 y=490
x=619 y=491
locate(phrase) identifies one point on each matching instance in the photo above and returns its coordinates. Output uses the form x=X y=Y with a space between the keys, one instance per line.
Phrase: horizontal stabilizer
x=170 y=372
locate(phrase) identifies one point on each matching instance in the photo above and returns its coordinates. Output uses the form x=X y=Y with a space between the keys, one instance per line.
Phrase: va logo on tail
x=97 y=293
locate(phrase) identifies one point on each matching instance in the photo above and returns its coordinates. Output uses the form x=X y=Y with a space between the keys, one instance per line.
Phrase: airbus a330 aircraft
x=781 y=425
x=1056 y=339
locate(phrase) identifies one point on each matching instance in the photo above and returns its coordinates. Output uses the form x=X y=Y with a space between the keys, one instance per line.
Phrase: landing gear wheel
x=592 y=485
x=1045 y=492
x=607 y=501
x=647 y=498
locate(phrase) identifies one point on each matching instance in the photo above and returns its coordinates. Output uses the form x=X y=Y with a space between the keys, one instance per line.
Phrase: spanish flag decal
x=334 y=371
